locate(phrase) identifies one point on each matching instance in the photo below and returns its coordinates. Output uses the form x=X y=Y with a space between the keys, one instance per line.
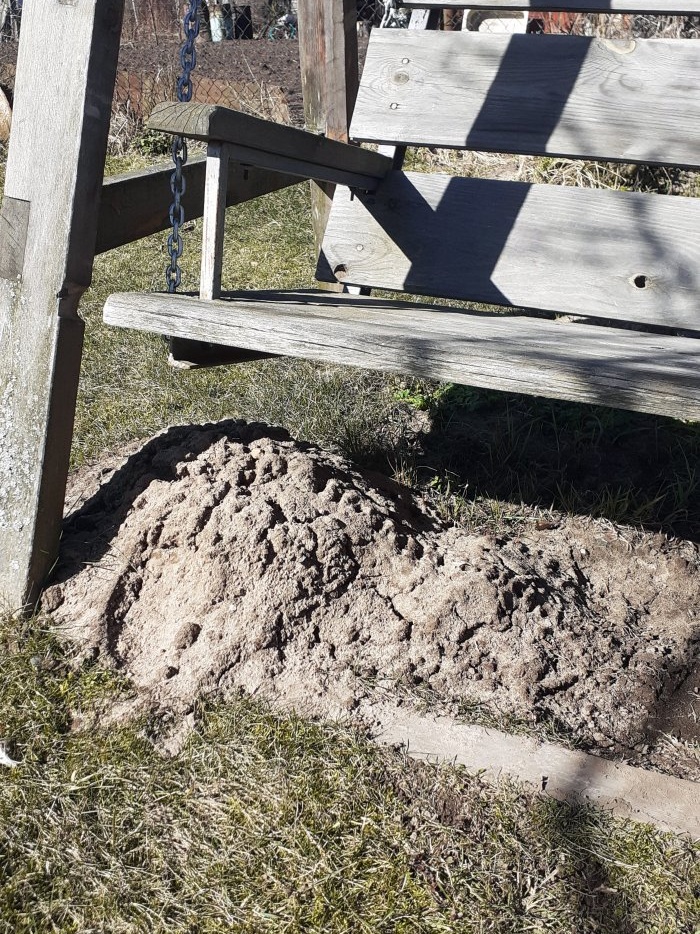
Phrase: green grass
x=129 y=391
x=273 y=824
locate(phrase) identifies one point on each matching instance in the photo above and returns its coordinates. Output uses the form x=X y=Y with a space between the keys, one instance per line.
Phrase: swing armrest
x=261 y=143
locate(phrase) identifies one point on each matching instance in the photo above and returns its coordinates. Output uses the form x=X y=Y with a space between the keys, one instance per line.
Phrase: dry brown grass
x=622 y=25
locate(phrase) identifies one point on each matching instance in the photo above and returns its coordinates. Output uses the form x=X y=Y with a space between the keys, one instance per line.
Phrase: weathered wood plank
x=137 y=204
x=184 y=354
x=425 y=19
x=214 y=220
x=671 y=8
x=55 y=164
x=538 y=95
x=608 y=254
x=272 y=145
x=608 y=366
x=329 y=68
x=14 y=224
x=421 y=19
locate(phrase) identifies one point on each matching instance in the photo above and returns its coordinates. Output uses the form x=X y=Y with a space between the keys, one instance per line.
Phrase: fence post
x=329 y=77
x=63 y=99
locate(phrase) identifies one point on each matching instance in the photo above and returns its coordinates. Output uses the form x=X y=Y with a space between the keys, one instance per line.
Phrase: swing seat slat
x=512 y=352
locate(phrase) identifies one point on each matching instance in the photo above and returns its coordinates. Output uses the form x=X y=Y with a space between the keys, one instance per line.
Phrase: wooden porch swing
x=599 y=290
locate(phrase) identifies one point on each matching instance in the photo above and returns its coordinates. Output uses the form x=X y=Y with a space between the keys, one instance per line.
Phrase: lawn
x=266 y=823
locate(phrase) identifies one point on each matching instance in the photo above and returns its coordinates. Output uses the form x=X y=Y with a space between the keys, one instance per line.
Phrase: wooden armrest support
x=259 y=142
x=138 y=204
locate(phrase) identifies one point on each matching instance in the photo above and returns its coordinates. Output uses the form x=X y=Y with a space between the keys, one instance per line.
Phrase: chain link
x=188 y=61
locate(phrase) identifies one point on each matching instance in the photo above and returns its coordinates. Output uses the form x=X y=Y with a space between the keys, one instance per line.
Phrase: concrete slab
x=671 y=804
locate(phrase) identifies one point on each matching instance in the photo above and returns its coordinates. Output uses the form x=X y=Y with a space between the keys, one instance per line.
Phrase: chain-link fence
x=260 y=77
x=10 y=18
x=615 y=25
x=605 y=25
x=247 y=59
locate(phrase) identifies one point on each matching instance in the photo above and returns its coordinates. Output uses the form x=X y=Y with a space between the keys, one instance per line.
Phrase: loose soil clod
x=231 y=557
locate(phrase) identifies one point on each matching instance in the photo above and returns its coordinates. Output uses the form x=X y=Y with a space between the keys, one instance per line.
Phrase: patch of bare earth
x=227 y=557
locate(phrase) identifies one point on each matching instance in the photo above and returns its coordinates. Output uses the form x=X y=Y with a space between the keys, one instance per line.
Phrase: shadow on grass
x=545 y=454
x=560 y=866
x=575 y=832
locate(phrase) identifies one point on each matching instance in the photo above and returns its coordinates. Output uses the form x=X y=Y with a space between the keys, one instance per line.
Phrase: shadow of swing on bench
x=599 y=290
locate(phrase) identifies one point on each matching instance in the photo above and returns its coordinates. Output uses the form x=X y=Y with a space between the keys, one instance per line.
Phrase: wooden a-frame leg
x=63 y=98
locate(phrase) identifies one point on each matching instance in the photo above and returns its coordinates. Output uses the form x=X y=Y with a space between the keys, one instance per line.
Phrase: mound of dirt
x=231 y=557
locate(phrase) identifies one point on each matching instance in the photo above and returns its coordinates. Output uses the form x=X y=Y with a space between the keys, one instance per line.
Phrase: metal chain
x=188 y=61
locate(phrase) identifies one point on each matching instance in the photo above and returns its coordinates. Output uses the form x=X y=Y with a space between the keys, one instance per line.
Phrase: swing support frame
x=66 y=109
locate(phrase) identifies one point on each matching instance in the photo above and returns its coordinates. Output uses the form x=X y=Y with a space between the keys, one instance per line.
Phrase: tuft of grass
x=555 y=170
x=491 y=460
x=268 y=823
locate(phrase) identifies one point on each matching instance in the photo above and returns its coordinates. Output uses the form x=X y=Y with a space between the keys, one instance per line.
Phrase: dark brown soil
x=227 y=61
x=242 y=74
x=264 y=65
x=148 y=71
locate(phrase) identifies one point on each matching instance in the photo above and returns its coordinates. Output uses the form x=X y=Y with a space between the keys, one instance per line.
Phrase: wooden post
x=63 y=97
x=214 y=220
x=329 y=77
